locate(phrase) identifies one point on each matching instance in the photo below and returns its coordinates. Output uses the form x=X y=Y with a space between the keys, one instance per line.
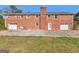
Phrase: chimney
x=43 y=9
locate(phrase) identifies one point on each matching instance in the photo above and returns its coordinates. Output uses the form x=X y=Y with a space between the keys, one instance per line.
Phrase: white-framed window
x=6 y=17
x=55 y=16
x=27 y=17
x=22 y=16
x=37 y=16
x=19 y=16
x=50 y=16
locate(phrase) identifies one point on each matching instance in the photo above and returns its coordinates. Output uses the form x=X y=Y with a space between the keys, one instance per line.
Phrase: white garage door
x=12 y=26
x=63 y=27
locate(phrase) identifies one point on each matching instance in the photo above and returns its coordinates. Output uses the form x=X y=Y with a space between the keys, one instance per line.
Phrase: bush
x=2 y=27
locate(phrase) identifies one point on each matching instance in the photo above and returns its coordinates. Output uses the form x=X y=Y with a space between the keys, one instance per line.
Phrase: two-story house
x=40 y=21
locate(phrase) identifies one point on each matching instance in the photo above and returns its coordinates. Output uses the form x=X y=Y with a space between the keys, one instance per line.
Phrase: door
x=49 y=26
x=64 y=27
x=12 y=26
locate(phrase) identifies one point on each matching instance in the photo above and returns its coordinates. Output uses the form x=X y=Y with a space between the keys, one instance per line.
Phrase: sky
x=49 y=8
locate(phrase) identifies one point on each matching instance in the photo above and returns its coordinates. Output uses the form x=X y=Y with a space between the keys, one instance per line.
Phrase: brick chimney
x=43 y=10
x=43 y=21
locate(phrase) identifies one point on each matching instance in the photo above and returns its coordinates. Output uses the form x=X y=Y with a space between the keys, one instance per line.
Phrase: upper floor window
x=19 y=16
x=52 y=16
x=37 y=16
x=7 y=16
x=49 y=16
x=22 y=16
x=55 y=16
x=26 y=16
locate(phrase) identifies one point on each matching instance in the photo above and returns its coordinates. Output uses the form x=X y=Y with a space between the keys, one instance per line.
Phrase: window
x=22 y=16
x=6 y=16
x=55 y=16
x=26 y=16
x=37 y=16
x=36 y=24
x=49 y=16
x=19 y=16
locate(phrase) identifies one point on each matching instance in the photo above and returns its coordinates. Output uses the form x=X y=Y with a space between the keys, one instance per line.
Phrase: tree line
x=7 y=10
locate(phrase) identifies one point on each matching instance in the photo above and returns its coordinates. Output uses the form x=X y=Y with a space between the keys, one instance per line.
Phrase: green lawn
x=39 y=44
x=76 y=25
x=2 y=27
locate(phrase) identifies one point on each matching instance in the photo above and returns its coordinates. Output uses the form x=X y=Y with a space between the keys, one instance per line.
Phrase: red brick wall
x=29 y=23
x=42 y=20
x=56 y=22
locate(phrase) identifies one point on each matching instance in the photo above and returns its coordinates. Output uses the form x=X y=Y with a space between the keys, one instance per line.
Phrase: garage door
x=63 y=27
x=12 y=26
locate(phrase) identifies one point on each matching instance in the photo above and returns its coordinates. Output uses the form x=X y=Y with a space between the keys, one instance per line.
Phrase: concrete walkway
x=52 y=33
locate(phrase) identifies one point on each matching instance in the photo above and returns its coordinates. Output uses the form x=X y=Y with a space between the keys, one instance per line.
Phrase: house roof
x=23 y=14
x=69 y=13
x=38 y=13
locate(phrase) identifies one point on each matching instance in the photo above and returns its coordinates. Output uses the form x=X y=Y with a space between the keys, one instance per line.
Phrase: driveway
x=52 y=33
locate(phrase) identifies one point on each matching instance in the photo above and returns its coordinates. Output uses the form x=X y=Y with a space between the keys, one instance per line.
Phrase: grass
x=39 y=44
x=2 y=27
x=76 y=24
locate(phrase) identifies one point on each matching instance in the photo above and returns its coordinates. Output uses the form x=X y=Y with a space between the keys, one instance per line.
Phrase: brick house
x=40 y=21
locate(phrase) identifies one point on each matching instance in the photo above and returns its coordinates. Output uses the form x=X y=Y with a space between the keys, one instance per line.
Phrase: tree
x=1 y=19
x=76 y=16
x=18 y=11
x=6 y=11
x=12 y=9
x=76 y=21
x=0 y=11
